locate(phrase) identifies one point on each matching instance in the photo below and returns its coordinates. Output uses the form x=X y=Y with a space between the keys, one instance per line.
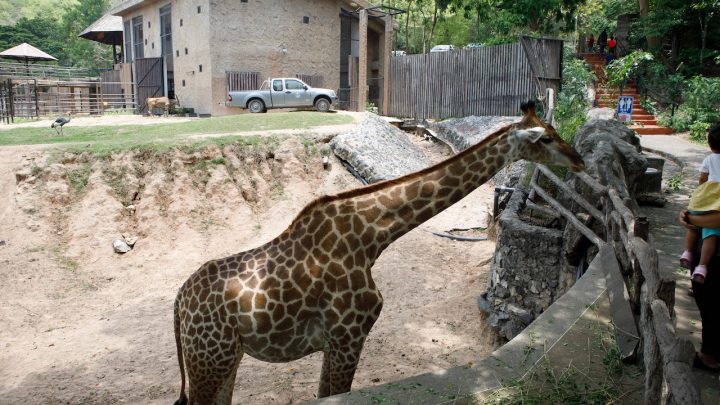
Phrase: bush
x=698 y=131
x=571 y=105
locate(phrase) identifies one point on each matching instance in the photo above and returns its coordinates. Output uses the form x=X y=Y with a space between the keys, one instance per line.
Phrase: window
x=306 y=20
x=198 y=9
x=294 y=85
x=137 y=37
x=200 y=68
x=185 y=51
x=277 y=85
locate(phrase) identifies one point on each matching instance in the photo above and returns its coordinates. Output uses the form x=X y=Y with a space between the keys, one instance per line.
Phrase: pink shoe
x=686 y=259
x=699 y=274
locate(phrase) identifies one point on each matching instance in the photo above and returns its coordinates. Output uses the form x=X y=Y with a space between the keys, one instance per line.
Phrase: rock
x=600 y=114
x=130 y=239
x=524 y=316
x=2 y=243
x=22 y=174
x=130 y=209
x=482 y=302
x=652 y=199
x=378 y=151
x=120 y=246
x=462 y=133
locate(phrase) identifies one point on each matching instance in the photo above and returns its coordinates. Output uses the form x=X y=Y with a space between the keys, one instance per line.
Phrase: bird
x=59 y=122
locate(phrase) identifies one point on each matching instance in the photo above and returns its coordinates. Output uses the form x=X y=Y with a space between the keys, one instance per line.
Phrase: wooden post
x=387 y=59
x=363 y=62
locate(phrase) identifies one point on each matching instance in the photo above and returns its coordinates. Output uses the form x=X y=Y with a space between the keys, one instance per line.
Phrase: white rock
x=120 y=246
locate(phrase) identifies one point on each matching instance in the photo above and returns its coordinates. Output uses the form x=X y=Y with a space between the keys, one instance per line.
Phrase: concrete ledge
x=460 y=385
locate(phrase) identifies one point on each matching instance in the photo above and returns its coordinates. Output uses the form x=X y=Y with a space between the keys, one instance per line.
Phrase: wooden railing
x=645 y=299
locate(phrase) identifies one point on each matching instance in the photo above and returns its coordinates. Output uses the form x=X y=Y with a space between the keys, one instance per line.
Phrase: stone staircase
x=643 y=122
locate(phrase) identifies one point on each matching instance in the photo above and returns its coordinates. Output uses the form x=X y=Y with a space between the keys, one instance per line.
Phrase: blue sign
x=624 y=108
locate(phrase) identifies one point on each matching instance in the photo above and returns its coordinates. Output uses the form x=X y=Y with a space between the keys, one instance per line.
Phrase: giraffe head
x=539 y=142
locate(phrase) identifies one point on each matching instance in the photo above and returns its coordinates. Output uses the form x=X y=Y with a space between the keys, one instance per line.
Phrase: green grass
x=161 y=136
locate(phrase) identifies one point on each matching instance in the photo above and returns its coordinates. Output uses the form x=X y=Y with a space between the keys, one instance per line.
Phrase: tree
x=706 y=10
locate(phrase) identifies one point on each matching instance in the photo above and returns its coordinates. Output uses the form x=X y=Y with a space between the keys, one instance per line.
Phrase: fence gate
x=148 y=81
x=545 y=58
x=239 y=81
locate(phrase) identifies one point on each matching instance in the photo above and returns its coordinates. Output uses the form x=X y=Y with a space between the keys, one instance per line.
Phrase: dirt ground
x=80 y=324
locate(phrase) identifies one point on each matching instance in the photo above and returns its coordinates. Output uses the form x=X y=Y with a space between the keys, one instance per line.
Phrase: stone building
x=198 y=50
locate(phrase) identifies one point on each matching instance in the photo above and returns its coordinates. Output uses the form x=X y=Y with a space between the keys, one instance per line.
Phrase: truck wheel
x=256 y=106
x=322 y=105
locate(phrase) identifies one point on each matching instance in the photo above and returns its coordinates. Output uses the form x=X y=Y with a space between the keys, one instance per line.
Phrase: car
x=442 y=48
x=282 y=92
x=399 y=53
x=473 y=45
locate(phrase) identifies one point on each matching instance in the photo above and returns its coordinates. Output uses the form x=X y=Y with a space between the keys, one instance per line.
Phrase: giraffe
x=310 y=289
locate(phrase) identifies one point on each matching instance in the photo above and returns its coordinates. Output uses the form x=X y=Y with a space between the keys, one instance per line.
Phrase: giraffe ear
x=531 y=134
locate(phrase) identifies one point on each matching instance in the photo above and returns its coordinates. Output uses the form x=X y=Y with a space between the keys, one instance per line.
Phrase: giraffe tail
x=183 y=400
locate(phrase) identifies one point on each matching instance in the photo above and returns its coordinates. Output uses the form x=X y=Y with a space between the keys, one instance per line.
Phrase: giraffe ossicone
x=310 y=289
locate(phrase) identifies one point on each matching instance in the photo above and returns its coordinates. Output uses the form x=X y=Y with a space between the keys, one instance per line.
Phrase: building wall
x=192 y=85
x=270 y=37
x=266 y=36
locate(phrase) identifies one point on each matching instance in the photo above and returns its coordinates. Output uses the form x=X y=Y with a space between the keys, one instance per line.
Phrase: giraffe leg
x=211 y=375
x=338 y=370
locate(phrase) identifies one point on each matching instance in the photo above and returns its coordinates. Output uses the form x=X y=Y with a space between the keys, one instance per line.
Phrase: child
x=704 y=199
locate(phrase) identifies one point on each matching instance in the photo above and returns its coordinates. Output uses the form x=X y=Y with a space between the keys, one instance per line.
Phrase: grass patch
x=674 y=182
x=162 y=136
x=78 y=178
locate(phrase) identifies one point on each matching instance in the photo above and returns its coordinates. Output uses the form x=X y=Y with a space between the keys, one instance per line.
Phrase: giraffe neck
x=409 y=201
x=370 y=218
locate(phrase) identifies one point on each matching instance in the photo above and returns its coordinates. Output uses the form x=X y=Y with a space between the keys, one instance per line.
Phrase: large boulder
x=461 y=133
x=378 y=151
x=612 y=154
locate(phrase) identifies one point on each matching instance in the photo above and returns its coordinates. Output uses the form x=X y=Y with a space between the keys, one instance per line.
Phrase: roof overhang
x=107 y=29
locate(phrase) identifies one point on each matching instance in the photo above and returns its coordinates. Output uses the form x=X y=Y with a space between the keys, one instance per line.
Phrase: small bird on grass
x=59 y=122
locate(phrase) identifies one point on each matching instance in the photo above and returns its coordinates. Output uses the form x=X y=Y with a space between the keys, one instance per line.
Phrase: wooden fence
x=636 y=290
x=491 y=80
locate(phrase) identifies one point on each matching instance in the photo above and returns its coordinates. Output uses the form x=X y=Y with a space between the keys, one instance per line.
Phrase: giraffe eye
x=546 y=139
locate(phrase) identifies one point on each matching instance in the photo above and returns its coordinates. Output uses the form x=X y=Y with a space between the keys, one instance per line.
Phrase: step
x=651 y=130
x=626 y=92
x=644 y=122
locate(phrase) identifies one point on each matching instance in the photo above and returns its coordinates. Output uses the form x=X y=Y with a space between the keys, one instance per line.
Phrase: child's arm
x=703 y=178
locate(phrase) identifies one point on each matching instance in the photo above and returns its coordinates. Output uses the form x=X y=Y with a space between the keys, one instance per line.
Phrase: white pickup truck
x=282 y=93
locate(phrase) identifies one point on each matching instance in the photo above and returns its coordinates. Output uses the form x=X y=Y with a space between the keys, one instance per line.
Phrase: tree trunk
x=407 y=25
x=432 y=27
x=703 y=35
x=653 y=42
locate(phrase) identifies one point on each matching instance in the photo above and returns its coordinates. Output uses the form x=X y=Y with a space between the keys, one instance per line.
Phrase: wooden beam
x=363 y=61
x=387 y=58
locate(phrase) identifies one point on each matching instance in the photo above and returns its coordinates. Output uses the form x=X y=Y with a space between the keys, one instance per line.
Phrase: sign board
x=624 y=108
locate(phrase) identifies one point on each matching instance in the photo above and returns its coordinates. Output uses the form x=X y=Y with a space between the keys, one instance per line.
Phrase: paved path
x=668 y=235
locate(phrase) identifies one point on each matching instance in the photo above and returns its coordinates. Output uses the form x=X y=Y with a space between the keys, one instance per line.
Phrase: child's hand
x=685 y=220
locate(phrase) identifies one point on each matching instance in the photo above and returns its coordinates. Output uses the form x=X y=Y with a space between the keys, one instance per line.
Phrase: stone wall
x=538 y=254
x=527 y=272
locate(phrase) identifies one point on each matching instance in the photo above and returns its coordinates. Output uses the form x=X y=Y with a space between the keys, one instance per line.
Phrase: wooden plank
x=627 y=335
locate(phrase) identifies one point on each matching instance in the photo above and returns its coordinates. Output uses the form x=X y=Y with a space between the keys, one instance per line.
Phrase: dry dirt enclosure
x=82 y=324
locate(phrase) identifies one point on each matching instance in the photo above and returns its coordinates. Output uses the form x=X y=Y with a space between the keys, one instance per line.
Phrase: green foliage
x=674 y=183
x=663 y=86
x=622 y=69
x=53 y=26
x=571 y=104
x=700 y=108
x=698 y=131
